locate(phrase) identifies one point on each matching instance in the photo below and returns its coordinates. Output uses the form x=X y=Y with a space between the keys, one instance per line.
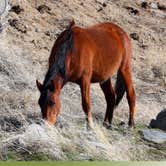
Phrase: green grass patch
x=25 y=156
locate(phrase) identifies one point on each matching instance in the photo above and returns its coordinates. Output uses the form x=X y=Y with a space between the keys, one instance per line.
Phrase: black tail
x=119 y=89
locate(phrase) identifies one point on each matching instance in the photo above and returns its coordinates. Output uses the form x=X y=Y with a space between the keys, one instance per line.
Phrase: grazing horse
x=84 y=56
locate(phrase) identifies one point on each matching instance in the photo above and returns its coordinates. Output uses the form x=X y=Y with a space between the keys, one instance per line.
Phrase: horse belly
x=106 y=64
x=103 y=73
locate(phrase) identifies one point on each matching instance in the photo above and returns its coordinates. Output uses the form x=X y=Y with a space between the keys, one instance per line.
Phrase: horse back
x=99 y=51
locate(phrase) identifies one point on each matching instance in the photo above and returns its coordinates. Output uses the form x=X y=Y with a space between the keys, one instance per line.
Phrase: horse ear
x=39 y=85
x=71 y=24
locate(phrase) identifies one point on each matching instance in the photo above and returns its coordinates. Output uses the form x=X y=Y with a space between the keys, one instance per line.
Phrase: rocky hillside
x=30 y=29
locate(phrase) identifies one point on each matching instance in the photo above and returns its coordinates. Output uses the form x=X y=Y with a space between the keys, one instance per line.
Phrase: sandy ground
x=24 y=50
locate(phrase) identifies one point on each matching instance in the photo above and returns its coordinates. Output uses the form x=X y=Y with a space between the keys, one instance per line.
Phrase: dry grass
x=23 y=58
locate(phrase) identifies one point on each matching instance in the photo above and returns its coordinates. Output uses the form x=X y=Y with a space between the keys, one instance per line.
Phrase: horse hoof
x=131 y=127
x=107 y=126
x=90 y=126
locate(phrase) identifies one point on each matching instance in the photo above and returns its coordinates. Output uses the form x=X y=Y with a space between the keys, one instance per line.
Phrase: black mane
x=59 y=63
x=63 y=44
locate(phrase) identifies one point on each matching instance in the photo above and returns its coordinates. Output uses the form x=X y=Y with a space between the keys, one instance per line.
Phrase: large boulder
x=160 y=121
x=154 y=136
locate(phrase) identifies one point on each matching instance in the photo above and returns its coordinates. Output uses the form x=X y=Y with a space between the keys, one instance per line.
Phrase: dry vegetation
x=24 y=50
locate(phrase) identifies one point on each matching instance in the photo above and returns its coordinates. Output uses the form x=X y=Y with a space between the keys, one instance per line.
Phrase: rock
x=17 y=25
x=132 y=10
x=161 y=6
x=48 y=33
x=10 y=124
x=157 y=72
x=154 y=6
x=16 y=9
x=100 y=1
x=144 y=5
x=160 y=121
x=142 y=45
x=134 y=36
x=99 y=9
x=43 y=9
x=104 y=4
x=154 y=136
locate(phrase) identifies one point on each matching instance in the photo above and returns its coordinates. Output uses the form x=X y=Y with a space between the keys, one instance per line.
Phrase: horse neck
x=58 y=83
x=57 y=66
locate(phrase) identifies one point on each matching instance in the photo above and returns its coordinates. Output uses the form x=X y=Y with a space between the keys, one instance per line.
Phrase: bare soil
x=25 y=45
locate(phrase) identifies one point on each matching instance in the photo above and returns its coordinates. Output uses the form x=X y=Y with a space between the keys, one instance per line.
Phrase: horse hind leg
x=110 y=99
x=131 y=96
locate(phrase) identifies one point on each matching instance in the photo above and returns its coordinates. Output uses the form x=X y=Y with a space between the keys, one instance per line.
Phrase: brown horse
x=84 y=56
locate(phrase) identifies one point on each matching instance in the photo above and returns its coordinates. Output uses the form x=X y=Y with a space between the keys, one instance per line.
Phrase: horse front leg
x=85 y=92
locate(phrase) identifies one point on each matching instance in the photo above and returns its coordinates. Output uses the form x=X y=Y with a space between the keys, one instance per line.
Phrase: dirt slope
x=24 y=50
